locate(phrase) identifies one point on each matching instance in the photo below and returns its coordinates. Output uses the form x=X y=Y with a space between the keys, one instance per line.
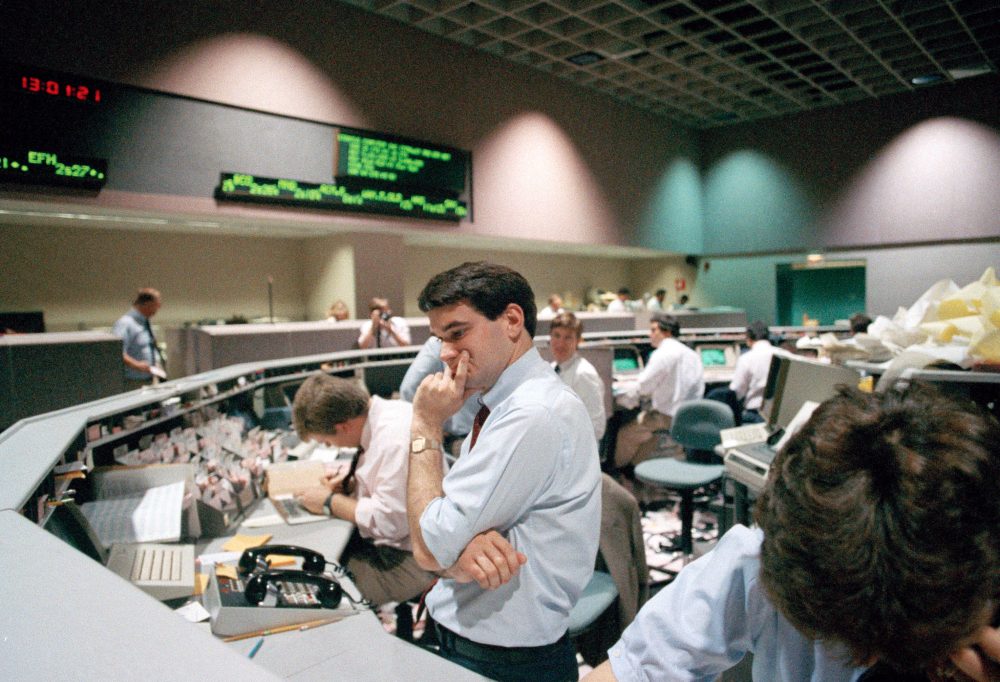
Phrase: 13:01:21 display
x=54 y=88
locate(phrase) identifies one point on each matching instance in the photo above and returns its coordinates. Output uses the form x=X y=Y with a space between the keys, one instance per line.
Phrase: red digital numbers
x=55 y=88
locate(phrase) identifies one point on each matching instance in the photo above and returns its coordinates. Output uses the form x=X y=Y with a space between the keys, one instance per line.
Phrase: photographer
x=384 y=329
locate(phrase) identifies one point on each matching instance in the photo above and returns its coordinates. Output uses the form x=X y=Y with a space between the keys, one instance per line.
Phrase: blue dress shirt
x=713 y=613
x=137 y=342
x=534 y=477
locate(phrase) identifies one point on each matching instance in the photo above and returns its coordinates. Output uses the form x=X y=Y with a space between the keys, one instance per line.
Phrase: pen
x=308 y=625
x=256 y=648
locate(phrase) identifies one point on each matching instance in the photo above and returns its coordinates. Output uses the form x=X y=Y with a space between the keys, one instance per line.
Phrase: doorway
x=819 y=293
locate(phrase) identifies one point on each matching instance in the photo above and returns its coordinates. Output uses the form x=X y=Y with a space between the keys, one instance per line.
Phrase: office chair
x=696 y=427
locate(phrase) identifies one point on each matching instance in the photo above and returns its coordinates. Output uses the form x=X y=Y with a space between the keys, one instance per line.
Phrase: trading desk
x=66 y=616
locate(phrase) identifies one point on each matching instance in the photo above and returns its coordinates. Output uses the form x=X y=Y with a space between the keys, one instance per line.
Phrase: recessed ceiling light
x=969 y=71
x=585 y=58
x=927 y=79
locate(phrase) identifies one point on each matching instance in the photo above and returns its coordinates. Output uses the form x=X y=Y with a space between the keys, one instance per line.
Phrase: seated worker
x=383 y=329
x=877 y=547
x=620 y=304
x=428 y=361
x=513 y=527
x=750 y=375
x=554 y=307
x=372 y=495
x=655 y=304
x=575 y=370
x=672 y=375
x=859 y=323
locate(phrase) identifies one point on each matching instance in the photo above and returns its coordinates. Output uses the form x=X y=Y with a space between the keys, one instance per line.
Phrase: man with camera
x=383 y=330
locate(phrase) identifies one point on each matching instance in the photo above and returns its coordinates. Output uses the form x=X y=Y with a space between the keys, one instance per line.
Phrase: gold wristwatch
x=420 y=444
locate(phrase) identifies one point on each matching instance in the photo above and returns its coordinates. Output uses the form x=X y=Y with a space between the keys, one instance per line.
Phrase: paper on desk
x=239 y=543
x=157 y=372
x=193 y=612
x=153 y=516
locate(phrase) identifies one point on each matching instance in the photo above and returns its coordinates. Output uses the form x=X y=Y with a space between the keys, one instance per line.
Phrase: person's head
x=555 y=302
x=661 y=327
x=564 y=336
x=380 y=304
x=684 y=299
x=880 y=523
x=757 y=330
x=661 y=294
x=484 y=309
x=330 y=410
x=624 y=294
x=859 y=323
x=147 y=301
x=339 y=311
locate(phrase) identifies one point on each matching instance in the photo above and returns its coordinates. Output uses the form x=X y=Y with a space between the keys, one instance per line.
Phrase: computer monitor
x=67 y=522
x=627 y=360
x=792 y=380
x=30 y=322
x=717 y=355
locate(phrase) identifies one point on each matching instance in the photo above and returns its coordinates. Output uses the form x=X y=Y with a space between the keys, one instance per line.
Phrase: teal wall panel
x=672 y=220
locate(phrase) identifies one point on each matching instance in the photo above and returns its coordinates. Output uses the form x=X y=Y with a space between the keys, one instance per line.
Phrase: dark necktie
x=558 y=369
x=348 y=482
x=153 y=350
x=477 y=424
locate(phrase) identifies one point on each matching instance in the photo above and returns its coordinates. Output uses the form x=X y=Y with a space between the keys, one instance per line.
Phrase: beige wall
x=83 y=278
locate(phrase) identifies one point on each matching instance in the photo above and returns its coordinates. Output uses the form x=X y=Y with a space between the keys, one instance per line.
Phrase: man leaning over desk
x=372 y=494
x=513 y=527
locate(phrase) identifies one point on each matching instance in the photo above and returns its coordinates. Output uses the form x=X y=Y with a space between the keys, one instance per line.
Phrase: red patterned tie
x=477 y=424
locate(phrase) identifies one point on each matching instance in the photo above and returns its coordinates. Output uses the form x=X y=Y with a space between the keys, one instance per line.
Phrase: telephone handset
x=256 y=558
x=293 y=587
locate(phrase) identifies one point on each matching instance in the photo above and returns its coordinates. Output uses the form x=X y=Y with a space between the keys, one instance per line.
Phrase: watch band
x=420 y=444
x=326 y=504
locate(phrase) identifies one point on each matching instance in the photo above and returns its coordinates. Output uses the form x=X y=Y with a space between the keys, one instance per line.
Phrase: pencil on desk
x=308 y=625
x=256 y=648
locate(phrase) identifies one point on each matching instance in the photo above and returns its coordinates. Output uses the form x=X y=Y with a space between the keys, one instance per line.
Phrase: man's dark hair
x=666 y=323
x=323 y=401
x=486 y=287
x=625 y=290
x=757 y=330
x=880 y=523
x=661 y=292
x=145 y=295
x=859 y=323
x=567 y=321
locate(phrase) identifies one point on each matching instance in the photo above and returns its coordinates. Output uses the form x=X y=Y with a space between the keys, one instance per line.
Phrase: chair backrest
x=697 y=423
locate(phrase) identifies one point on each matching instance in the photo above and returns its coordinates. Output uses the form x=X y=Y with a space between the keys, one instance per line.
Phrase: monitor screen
x=712 y=356
x=626 y=360
x=31 y=322
x=792 y=380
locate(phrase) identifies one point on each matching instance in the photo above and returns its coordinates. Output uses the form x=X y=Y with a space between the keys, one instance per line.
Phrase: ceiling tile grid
x=706 y=63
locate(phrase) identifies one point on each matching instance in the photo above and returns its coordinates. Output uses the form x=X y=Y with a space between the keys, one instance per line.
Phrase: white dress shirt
x=581 y=376
x=750 y=375
x=617 y=306
x=547 y=313
x=397 y=323
x=672 y=375
x=380 y=479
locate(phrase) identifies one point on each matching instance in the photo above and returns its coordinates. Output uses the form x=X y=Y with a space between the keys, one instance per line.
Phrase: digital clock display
x=42 y=167
x=245 y=187
x=55 y=87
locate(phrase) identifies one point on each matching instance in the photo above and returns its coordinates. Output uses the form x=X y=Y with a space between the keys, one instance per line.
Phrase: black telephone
x=256 y=558
x=310 y=586
x=294 y=586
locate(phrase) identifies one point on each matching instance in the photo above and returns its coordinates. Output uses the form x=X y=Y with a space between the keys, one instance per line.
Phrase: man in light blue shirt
x=877 y=550
x=139 y=352
x=513 y=528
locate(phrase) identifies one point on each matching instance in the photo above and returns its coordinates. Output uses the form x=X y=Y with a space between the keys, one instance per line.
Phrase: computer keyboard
x=740 y=435
x=163 y=571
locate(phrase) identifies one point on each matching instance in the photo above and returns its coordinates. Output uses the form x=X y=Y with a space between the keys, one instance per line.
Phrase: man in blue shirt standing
x=140 y=354
x=513 y=528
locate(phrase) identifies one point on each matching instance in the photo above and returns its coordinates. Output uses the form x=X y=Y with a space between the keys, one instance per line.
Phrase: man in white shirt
x=656 y=303
x=554 y=307
x=383 y=329
x=575 y=370
x=751 y=371
x=672 y=376
x=372 y=494
x=619 y=304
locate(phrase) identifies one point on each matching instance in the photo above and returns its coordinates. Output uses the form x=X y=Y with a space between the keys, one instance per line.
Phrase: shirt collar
x=523 y=369
x=366 y=431
x=137 y=316
x=569 y=363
